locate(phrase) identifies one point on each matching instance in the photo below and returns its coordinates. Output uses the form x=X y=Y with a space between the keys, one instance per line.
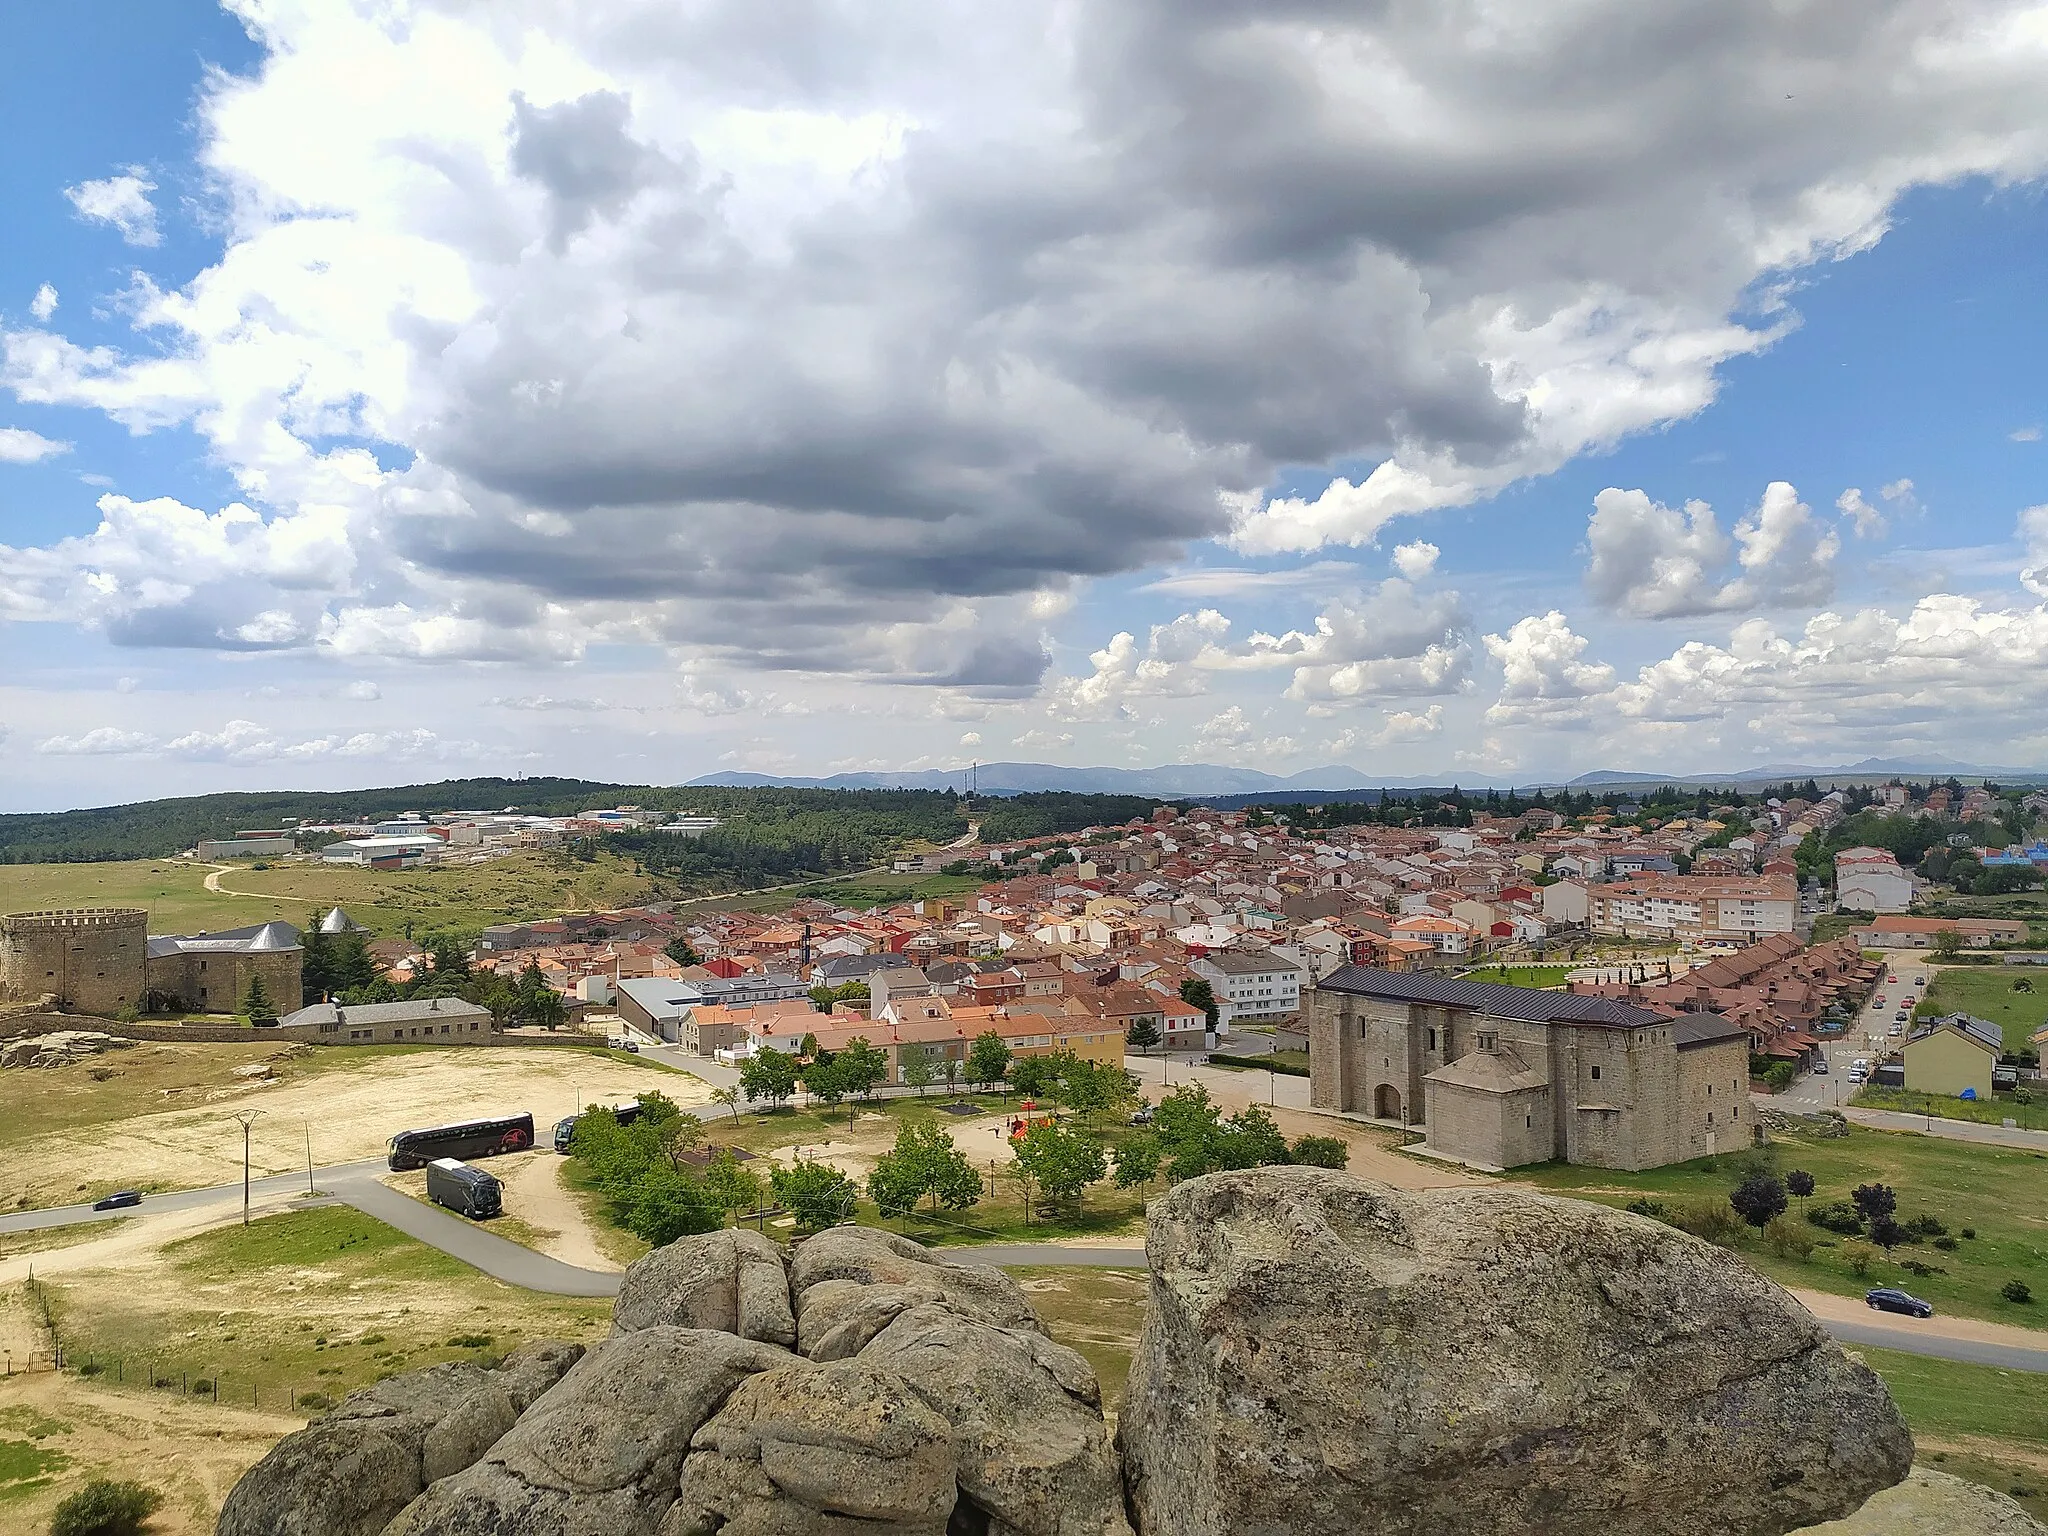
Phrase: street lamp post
x=247 y=1118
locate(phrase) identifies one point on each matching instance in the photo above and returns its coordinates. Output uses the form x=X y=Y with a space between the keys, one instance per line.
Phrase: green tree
x=679 y=950
x=729 y=1097
x=665 y=1204
x=732 y=1188
x=824 y=1079
x=350 y=963
x=546 y=1009
x=256 y=1004
x=1759 y=1199
x=449 y=954
x=862 y=1066
x=316 y=967
x=1197 y=993
x=988 y=1059
x=1060 y=1162
x=816 y=1194
x=768 y=1074
x=918 y=1071
x=1143 y=1034
x=1137 y=1161
x=1948 y=943
x=923 y=1162
x=1032 y=1076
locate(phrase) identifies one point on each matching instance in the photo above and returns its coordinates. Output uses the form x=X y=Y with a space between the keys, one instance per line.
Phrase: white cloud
x=1544 y=676
x=1398 y=727
x=1866 y=521
x=2033 y=536
x=1650 y=561
x=1231 y=737
x=867 y=362
x=1390 y=642
x=970 y=738
x=44 y=304
x=104 y=741
x=2025 y=435
x=122 y=201
x=18 y=445
x=1166 y=666
x=1416 y=560
x=1043 y=740
x=361 y=691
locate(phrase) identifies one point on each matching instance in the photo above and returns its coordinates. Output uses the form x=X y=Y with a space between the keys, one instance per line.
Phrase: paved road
x=1870 y=1038
x=476 y=1245
x=189 y=1199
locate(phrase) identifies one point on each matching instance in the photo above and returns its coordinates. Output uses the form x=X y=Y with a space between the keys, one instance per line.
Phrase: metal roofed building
x=1500 y=1077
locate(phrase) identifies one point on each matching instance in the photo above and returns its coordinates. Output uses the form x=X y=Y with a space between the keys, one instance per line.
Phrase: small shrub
x=1836 y=1216
x=371 y=1338
x=1714 y=1220
x=2017 y=1291
x=1859 y=1256
x=91 y=1368
x=105 y=1508
x=1915 y=1267
x=1319 y=1152
x=1643 y=1205
x=1970 y=1233
x=1927 y=1226
x=1790 y=1239
x=471 y=1340
x=319 y=1401
x=1945 y=1244
x=201 y=1387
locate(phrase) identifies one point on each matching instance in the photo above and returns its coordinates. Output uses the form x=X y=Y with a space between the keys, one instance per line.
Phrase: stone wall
x=215 y=981
x=1714 y=1113
x=90 y=959
x=16 y=1025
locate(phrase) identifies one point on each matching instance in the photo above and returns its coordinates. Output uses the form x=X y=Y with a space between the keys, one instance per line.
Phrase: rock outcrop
x=60 y=1048
x=1325 y=1356
x=733 y=1281
x=350 y=1473
x=1322 y=1356
x=1931 y=1503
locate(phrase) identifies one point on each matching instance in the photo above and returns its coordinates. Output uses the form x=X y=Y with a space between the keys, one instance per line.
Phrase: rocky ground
x=1320 y=1355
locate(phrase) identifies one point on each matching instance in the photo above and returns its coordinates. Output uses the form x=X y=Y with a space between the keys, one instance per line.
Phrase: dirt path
x=212 y=883
x=135 y=1242
x=534 y=1192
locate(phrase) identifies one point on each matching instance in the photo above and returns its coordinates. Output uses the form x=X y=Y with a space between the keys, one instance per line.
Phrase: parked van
x=464 y=1190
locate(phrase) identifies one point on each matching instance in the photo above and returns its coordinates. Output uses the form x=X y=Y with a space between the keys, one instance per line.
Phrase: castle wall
x=216 y=981
x=90 y=959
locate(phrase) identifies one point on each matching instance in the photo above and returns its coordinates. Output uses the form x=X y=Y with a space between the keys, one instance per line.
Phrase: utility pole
x=247 y=1118
x=309 y=1155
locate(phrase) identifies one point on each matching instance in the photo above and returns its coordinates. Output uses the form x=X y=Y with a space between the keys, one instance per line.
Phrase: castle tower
x=90 y=958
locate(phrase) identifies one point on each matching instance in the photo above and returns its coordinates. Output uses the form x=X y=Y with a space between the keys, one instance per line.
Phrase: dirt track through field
x=350 y=1113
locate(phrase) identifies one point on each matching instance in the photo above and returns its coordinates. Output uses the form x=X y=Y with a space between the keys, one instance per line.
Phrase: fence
x=162 y=1372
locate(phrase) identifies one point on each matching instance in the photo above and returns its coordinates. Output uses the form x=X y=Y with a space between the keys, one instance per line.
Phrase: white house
x=1870 y=880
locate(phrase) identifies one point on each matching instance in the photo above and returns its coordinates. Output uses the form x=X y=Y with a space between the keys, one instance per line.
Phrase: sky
x=634 y=389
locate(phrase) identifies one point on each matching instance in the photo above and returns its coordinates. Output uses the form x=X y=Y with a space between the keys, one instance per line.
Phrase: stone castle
x=102 y=960
x=1500 y=1077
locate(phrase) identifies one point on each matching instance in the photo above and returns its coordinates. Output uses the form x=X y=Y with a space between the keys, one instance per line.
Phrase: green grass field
x=1999 y=1193
x=1995 y=1111
x=1520 y=975
x=458 y=897
x=317 y=1301
x=860 y=892
x=1987 y=992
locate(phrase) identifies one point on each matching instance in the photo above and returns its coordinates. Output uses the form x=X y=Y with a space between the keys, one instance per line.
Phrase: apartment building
x=1694 y=909
x=1250 y=984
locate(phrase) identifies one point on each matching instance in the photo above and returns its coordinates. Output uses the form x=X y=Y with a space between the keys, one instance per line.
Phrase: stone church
x=1499 y=1077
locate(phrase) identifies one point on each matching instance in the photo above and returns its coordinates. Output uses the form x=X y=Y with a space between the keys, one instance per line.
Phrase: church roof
x=1530 y=1004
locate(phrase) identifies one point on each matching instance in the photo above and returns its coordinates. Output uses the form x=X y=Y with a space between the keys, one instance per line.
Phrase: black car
x=1887 y=1299
x=121 y=1199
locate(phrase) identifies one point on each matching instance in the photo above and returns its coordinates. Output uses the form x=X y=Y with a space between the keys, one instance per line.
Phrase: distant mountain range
x=1180 y=781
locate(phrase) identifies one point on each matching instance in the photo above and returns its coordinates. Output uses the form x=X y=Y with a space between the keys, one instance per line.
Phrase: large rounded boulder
x=1325 y=1356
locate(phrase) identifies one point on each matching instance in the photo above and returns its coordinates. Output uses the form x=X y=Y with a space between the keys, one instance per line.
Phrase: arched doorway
x=1386 y=1102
